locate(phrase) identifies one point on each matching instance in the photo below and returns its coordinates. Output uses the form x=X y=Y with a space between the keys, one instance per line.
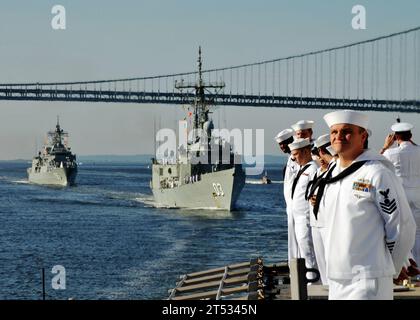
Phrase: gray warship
x=204 y=174
x=55 y=165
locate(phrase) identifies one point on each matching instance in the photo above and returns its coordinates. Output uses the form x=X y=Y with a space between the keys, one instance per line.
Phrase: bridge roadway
x=176 y=98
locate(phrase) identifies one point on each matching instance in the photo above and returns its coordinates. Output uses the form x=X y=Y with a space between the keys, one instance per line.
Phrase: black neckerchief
x=295 y=181
x=310 y=183
x=328 y=179
x=314 y=184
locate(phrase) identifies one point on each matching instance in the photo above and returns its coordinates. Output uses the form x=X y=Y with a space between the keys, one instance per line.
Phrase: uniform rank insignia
x=388 y=206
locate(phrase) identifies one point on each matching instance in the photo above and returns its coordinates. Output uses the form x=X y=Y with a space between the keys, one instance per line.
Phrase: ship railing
x=165 y=161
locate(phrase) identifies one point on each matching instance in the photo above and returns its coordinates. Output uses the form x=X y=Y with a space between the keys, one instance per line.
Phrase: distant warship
x=55 y=165
x=184 y=181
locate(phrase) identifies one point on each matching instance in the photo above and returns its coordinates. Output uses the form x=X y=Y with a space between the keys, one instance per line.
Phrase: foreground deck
x=253 y=280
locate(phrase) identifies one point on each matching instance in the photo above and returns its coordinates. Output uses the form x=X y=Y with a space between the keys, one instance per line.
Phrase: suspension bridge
x=380 y=74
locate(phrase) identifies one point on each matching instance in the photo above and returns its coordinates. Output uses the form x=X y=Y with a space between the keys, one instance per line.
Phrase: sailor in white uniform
x=303 y=129
x=370 y=227
x=301 y=152
x=406 y=160
x=325 y=154
x=284 y=138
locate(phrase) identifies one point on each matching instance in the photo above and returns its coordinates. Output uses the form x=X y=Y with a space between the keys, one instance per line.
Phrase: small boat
x=265 y=179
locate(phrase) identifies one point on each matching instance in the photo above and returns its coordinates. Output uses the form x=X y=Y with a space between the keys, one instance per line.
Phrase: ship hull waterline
x=55 y=177
x=216 y=190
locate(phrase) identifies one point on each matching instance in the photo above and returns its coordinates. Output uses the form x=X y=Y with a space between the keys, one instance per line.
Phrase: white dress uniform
x=318 y=223
x=300 y=214
x=370 y=230
x=289 y=175
x=299 y=228
x=406 y=160
x=370 y=226
x=318 y=236
x=290 y=170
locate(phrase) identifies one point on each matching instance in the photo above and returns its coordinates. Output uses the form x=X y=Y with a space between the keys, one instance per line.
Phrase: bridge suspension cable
x=374 y=74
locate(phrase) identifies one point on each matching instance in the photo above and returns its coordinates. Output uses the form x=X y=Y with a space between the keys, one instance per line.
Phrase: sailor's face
x=347 y=138
x=324 y=156
x=295 y=155
x=304 y=134
x=300 y=156
x=321 y=162
x=284 y=147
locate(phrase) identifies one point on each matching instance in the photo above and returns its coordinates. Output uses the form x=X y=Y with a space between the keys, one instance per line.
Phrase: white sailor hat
x=283 y=135
x=302 y=125
x=322 y=140
x=331 y=150
x=299 y=144
x=347 y=116
x=401 y=127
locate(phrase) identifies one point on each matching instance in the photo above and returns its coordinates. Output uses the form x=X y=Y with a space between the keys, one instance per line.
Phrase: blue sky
x=115 y=39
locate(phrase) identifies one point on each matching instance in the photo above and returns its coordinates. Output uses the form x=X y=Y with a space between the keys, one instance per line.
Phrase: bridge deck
x=25 y=94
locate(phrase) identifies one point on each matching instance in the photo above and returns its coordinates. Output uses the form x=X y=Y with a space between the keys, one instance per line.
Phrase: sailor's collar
x=404 y=143
x=369 y=155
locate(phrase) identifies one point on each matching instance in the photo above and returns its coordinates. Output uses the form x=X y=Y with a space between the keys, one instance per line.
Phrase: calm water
x=114 y=244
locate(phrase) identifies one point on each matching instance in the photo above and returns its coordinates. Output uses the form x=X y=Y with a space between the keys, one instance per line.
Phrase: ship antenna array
x=200 y=104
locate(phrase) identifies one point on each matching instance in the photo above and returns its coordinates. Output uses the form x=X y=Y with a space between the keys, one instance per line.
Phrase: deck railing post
x=298 y=279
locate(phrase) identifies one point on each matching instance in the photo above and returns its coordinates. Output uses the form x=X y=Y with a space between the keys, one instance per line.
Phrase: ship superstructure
x=205 y=173
x=55 y=164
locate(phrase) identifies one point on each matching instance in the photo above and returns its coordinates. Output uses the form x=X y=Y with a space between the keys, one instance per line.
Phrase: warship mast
x=57 y=136
x=200 y=104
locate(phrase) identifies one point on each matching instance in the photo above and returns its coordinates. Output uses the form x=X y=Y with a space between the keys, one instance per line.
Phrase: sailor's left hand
x=412 y=269
x=402 y=276
x=312 y=200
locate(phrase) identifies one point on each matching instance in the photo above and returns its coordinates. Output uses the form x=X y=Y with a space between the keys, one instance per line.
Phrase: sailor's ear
x=365 y=134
